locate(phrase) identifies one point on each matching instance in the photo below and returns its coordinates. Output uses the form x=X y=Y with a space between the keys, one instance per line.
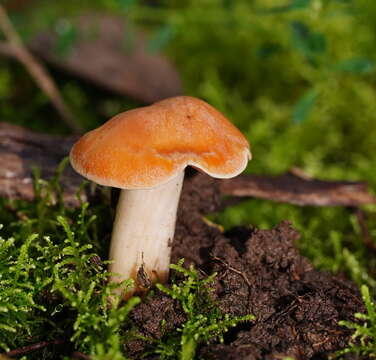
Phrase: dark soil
x=297 y=308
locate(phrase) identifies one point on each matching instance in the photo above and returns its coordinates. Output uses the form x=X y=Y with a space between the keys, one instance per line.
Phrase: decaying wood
x=14 y=47
x=21 y=150
x=111 y=54
x=296 y=190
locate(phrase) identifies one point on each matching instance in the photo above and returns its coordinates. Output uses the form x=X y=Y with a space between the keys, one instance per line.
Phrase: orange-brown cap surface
x=147 y=147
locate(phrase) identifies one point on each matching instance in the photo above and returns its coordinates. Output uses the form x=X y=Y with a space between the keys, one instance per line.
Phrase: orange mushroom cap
x=148 y=146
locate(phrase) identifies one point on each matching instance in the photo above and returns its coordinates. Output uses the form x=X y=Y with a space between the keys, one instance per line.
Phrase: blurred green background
x=297 y=77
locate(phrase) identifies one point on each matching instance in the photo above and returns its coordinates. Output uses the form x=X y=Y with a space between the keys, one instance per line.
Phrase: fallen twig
x=14 y=47
x=228 y=267
x=294 y=189
x=30 y=348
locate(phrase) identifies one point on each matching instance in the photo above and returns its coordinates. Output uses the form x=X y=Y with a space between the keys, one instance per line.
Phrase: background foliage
x=297 y=77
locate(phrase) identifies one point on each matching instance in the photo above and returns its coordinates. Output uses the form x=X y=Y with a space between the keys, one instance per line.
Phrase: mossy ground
x=297 y=77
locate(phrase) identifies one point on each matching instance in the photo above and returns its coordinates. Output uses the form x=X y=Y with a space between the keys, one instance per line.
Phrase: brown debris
x=100 y=55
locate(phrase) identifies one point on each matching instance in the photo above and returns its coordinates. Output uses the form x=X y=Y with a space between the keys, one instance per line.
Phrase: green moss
x=53 y=284
x=364 y=337
x=205 y=321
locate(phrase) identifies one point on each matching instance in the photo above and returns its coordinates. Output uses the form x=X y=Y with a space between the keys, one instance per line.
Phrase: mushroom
x=144 y=153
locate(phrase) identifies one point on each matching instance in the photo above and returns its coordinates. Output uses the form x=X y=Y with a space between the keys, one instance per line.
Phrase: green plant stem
x=188 y=349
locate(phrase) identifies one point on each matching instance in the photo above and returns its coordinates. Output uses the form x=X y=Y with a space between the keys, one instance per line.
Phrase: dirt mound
x=297 y=308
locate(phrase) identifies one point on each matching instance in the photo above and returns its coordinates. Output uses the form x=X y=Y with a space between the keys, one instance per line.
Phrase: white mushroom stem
x=143 y=231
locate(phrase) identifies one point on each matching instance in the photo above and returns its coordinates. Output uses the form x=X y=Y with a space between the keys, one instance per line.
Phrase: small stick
x=14 y=47
x=30 y=348
x=244 y=276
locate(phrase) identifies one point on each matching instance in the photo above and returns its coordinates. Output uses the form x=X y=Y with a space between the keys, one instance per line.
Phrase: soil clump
x=260 y=272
